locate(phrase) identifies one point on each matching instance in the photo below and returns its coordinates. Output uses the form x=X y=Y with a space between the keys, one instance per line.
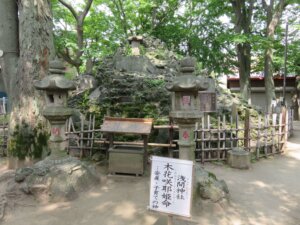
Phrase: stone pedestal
x=186 y=141
x=238 y=158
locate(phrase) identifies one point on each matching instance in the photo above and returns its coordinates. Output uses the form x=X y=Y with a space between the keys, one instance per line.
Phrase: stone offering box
x=127 y=158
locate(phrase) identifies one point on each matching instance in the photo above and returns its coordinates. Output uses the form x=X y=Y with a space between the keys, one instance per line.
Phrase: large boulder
x=57 y=180
x=208 y=187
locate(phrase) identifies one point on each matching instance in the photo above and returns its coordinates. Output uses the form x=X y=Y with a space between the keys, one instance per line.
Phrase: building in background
x=258 y=89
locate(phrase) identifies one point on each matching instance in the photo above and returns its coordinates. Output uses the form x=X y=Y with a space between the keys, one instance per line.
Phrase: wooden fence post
x=247 y=131
x=283 y=129
x=258 y=137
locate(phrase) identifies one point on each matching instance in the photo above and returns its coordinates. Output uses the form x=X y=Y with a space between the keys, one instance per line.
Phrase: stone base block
x=238 y=158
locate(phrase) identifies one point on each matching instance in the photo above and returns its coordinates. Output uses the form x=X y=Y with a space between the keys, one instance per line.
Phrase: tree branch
x=121 y=14
x=67 y=58
x=276 y=17
x=72 y=10
x=265 y=5
x=86 y=9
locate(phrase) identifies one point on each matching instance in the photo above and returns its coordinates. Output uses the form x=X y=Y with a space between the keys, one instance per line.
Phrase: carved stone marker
x=56 y=88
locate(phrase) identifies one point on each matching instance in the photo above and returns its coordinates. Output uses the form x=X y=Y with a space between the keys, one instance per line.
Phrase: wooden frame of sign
x=171 y=187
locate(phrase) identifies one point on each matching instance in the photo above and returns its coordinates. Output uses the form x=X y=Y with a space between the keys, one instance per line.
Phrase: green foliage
x=212 y=175
x=155 y=83
x=28 y=141
x=127 y=50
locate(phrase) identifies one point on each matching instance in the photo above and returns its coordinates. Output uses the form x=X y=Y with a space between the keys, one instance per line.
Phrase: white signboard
x=171 y=186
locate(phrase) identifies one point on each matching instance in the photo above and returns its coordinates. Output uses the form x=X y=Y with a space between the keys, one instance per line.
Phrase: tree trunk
x=89 y=66
x=243 y=11
x=36 y=48
x=273 y=17
x=244 y=59
x=269 y=82
x=8 y=44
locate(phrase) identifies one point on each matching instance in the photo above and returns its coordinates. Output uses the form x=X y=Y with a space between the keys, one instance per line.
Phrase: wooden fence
x=3 y=134
x=87 y=139
x=263 y=137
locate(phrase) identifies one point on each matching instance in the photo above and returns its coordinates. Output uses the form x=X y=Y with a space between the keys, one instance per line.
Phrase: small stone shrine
x=135 y=42
x=186 y=105
x=56 y=88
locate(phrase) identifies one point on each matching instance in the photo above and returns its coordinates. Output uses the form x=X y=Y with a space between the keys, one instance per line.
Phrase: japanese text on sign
x=171 y=185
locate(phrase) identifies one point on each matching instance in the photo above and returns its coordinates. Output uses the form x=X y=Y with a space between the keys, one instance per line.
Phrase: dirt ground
x=266 y=194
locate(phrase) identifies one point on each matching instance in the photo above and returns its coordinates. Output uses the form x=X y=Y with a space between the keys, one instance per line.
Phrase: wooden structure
x=86 y=139
x=263 y=138
x=215 y=136
x=129 y=159
x=3 y=135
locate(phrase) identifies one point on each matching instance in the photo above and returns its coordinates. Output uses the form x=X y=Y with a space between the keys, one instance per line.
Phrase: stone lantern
x=135 y=42
x=56 y=88
x=186 y=105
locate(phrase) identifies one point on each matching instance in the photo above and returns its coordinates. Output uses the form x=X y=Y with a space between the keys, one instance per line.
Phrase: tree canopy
x=210 y=30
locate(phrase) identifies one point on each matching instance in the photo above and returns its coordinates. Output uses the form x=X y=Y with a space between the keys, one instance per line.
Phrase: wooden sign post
x=171 y=187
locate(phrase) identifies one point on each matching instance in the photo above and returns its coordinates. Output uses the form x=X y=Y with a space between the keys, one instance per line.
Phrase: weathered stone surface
x=22 y=173
x=239 y=158
x=208 y=186
x=98 y=156
x=137 y=64
x=95 y=95
x=86 y=82
x=58 y=180
x=147 y=73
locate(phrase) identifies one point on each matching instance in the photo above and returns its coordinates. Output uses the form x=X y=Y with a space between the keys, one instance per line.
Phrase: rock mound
x=208 y=187
x=56 y=180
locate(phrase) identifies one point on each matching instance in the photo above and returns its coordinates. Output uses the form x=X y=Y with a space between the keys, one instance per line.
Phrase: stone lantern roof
x=138 y=38
x=186 y=81
x=56 y=80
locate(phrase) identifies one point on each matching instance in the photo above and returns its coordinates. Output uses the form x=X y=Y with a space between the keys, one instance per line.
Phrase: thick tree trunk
x=244 y=59
x=269 y=82
x=243 y=15
x=274 y=13
x=36 y=47
x=8 y=44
